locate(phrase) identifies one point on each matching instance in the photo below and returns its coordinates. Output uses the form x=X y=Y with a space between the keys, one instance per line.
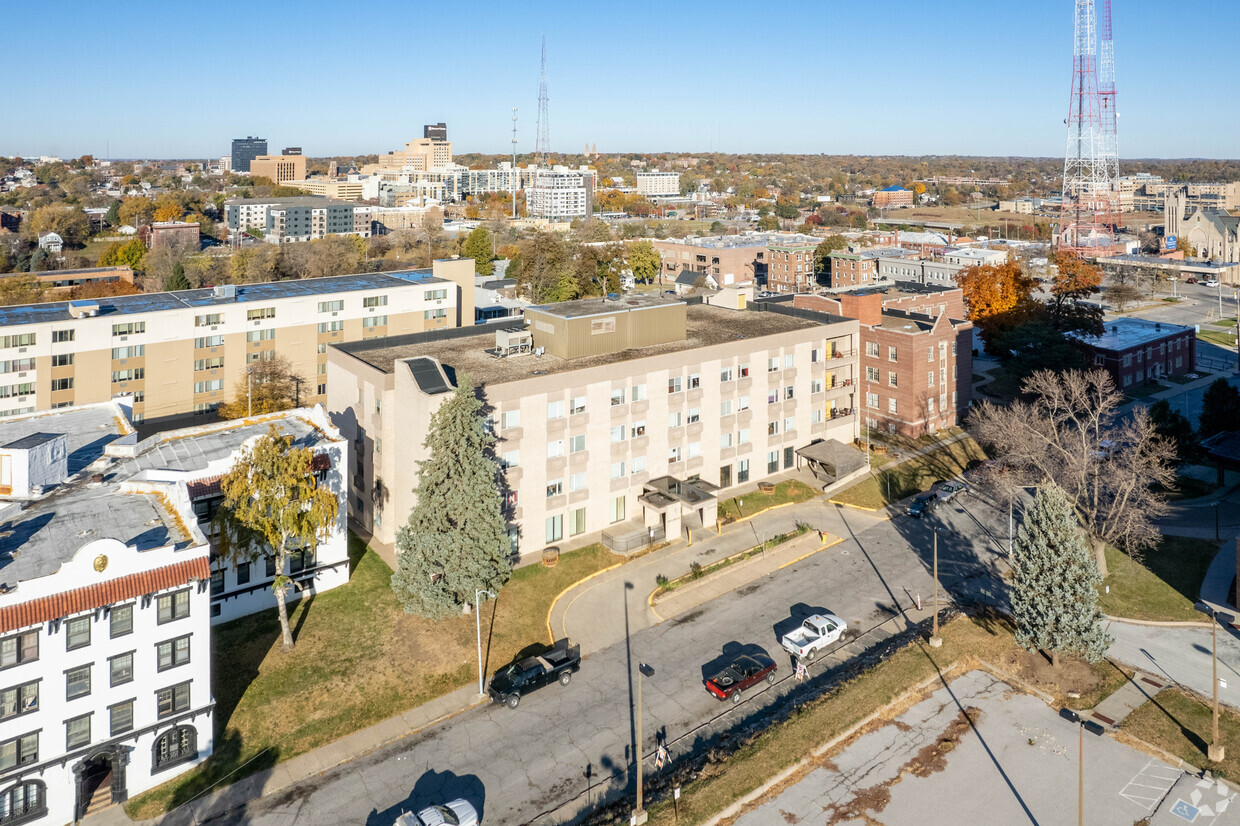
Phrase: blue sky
x=905 y=77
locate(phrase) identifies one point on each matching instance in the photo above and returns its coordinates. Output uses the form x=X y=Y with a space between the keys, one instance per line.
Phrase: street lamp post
x=1215 y=751
x=639 y=813
x=1216 y=504
x=478 y=592
x=935 y=640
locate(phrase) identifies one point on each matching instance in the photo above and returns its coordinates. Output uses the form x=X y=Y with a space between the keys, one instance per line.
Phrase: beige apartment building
x=340 y=189
x=421 y=155
x=627 y=418
x=730 y=259
x=279 y=168
x=180 y=354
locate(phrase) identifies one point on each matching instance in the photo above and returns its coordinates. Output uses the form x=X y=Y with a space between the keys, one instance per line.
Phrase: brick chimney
x=868 y=309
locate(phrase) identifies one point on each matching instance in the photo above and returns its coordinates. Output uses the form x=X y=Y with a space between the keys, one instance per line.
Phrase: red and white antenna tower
x=1086 y=216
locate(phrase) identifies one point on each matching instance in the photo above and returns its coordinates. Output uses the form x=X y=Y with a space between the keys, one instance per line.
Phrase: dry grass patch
x=900 y=480
x=1180 y=723
x=786 y=493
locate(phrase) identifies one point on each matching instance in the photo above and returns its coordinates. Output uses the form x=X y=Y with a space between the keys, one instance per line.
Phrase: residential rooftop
x=872 y=252
x=37 y=537
x=748 y=239
x=293 y=201
x=207 y=297
x=1125 y=333
x=705 y=326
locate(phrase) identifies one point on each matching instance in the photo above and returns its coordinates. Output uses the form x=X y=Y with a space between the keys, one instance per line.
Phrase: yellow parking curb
x=837 y=541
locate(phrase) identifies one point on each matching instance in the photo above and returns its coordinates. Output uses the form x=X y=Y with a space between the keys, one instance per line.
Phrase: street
x=569 y=745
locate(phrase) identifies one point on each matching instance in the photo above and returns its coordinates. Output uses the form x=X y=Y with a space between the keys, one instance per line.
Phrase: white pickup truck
x=816 y=632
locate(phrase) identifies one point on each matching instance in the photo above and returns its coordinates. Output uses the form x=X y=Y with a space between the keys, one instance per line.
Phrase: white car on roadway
x=1210 y=282
x=816 y=632
x=459 y=812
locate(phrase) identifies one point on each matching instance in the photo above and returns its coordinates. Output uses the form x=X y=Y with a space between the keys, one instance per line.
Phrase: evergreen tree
x=1220 y=408
x=478 y=247
x=1055 y=588
x=1174 y=426
x=113 y=216
x=456 y=538
x=177 y=280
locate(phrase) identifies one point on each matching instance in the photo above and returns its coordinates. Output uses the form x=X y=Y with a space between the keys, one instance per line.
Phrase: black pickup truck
x=514 y=681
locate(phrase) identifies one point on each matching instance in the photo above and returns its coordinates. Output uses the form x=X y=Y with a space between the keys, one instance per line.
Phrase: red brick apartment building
x=859 y=268
x=1134 y=350
x=916 y=354
x=791 y=265
x=892 y=196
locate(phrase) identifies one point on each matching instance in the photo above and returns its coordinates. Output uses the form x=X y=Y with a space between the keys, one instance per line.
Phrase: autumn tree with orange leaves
x=997 y=296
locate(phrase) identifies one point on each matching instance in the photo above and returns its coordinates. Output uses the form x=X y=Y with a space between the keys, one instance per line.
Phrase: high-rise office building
x=435 y=131
x=245 y=150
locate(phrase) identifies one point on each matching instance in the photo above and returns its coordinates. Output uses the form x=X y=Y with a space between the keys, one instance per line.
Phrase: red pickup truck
x=742 y=673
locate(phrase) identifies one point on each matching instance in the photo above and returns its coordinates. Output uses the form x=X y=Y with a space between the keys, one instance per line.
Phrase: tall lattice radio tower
x=543 y=145
x=1091 y=162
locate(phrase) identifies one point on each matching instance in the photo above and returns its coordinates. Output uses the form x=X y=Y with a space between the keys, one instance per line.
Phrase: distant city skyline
x=964 y=78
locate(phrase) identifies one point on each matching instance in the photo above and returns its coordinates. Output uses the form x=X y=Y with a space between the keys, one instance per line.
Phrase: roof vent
x=1157 y=326
x=227 y=292
x=83 y=309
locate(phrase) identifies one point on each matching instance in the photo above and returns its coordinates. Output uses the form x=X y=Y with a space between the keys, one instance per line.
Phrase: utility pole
x=1215 y=751
x=249 y=392
x=639 y=814
x=1080 y=775
x=935 y=640
x=516 y=179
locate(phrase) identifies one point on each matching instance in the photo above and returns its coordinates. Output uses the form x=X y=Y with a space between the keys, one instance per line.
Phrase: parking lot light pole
x=935 y=640
x=1216 y=751
x=639 y=813
x=478 y=592
x=1216 y=504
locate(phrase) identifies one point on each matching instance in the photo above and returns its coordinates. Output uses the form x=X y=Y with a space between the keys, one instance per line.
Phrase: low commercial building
x=60 y=282
x=180 y=354
x=109 y=595
x=790 y=267
x=1159 y=267
x=904 y=392
x=655 y=185
x=1134 y=350
x=614 y=417
x=279 y=168
x=900 y=267
x=975 y=256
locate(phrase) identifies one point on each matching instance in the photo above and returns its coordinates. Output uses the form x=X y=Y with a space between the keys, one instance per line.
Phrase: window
x=77 y=682
x=171 y=653
x=674 y=454
x=243 y=573
x=930 y=404
x=693 y=416
x=773 y=396
x=891 y=405
x=577 y=405
x=555 y=410
x=120 y=718
x=725 y=440
x=263 y=335
x=742 y=403
x=174 y=747
x=929 y=354
x=577 y=482
x=381 y=300
x=78 y=635
x=615 y=510
x=19 y=649
x=639 y=392
x=725 y=374
x=127 y=329
x=270 y=561
x=77 y=732
x=638 y=465
x=772 y=364
x=555 y=528
x=871 y=349
x=209 y=364
x=19 y=751
x=172 y=699
x=743 y=371
x=742 y=471
x=638 y=429
x=695 y=450
x=331 y=306
x=617 y=396
x=62 y=384
x=891 y=354
x=772 y=461
x=673 y=385
x=260 y=313
x=58 y=360
x=25 y=801
x=617 y=470
x=742 y=436
x=695 y=381
x=815 y=356
x=871 y=374
x=815 y=386
x=172 y=606
x=555 y=449
x=429 y=295
x=577 y=522
x=510 y=418
x=789 y=361
x=790 y=424
x=789 y=392
x=331 y=326
x=208 y=341
x=891 y=379
x=555 y=487
x=772 y=428
x=210 y=386
x=120 y=669
x=59 y=336
x=429 y=315
x=815 y=416
x=128 y=375
x=673 y=419
x=725 y=407
x=617 y=434
x=871 y=400
x=953 y=398
x=208 y=320
x=20 y=699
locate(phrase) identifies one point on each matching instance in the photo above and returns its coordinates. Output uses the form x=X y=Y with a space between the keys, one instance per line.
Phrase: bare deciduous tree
x=1073 y=434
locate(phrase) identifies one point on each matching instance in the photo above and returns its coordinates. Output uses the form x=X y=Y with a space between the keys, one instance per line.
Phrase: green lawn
x=901 y=479
x=1182 y=378
x=1181 y=723
x=1163 y=586
x=359 y=660
x=1214 y=337
x=1144 y=390
x=754 y=501
x=1188 y=487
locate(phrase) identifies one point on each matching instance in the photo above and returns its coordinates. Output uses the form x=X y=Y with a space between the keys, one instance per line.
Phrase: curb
x=559 y=596
x=1158 y=623
x=756 y=514
x=837 y=541
x=748 y=553
x=854 y=507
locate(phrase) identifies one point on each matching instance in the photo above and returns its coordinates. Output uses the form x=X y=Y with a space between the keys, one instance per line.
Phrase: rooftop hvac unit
x=83 y=309
x=227 y=292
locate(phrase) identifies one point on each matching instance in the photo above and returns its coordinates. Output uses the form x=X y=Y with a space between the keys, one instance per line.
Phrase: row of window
x=9 y=391
x=872 y=402
x=17 y=365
